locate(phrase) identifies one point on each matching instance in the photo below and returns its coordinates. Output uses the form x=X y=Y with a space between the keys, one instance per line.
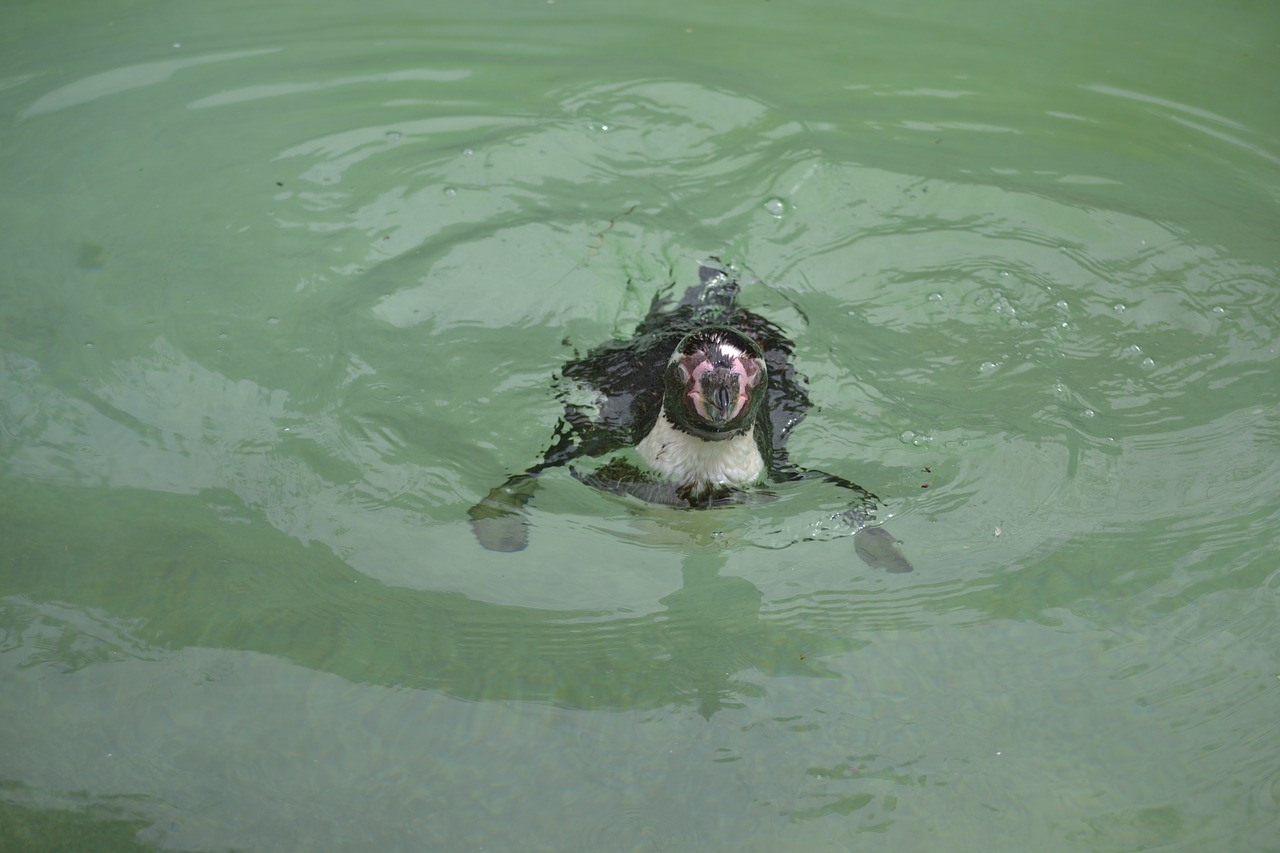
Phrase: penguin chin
x=700 y=428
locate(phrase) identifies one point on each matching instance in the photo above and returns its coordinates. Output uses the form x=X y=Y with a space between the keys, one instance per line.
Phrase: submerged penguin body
x=705 y=392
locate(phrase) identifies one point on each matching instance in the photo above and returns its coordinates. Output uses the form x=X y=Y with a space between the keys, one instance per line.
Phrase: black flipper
x=876 y=546
x=500 y=521
x=879 y=550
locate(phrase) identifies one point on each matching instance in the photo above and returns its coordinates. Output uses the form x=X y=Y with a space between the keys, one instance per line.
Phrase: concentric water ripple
x=285 y=295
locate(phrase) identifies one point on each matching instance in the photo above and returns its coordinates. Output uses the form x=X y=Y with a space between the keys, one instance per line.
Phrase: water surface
x=284 y=291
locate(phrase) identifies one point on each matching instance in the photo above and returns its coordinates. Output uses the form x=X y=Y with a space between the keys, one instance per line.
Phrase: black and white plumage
x=706 y=393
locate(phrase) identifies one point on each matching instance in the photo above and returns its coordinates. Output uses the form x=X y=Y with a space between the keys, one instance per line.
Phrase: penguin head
x=715 y=383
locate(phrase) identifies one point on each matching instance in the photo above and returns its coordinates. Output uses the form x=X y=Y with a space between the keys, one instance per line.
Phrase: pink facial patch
x=698 y=365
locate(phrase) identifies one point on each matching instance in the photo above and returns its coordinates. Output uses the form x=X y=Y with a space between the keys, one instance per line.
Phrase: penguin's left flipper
x=879 y=550
x=500 y=521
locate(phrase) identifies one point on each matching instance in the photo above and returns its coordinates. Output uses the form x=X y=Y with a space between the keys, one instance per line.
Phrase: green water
x=283 y=289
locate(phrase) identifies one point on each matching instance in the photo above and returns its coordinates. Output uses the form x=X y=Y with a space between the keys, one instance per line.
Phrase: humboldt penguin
x=705 y=392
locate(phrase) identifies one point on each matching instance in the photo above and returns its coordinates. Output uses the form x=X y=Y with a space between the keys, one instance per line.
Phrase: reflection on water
x=210 y=587
x=257 y=359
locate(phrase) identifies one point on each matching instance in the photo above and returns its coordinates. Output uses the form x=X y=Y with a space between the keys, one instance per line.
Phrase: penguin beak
x=719 y=397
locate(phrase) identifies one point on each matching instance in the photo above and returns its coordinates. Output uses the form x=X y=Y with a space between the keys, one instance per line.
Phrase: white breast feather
x=687 y=459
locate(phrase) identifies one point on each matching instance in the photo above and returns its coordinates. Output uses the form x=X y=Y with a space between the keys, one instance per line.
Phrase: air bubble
x=450 y=192
x=935 y=297
x=1218 y=309
x=271 y=321
x=1148 y=363
x=775 y=207
x=915 y=439
x=1061 y=305
x=1002 y=306
x=1088 y=413
x=467 y=152
x=1133 y=349
x=987 y=366
x=1119 y=308
x=393 y=135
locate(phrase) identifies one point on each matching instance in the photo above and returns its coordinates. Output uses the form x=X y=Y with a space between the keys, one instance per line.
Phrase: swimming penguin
x=706 y=393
